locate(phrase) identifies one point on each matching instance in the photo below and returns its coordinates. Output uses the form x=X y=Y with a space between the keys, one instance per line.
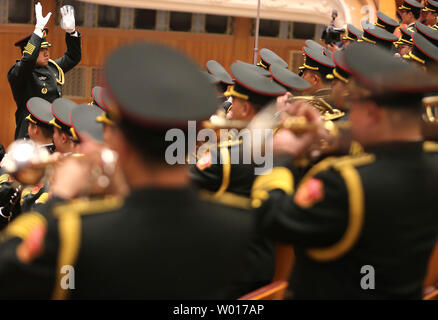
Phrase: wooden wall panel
x=97 y=43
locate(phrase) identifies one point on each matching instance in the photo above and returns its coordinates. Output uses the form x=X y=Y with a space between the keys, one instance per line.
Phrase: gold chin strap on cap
x=348 y=38
x=262 y=64
x=416 y=58
x=103 y=118
x=29 y=118
x=306 y=66
x=380 y=25
x=368 y=40
x=402 y=7
x=337 y=75
x=73 y=134
x=233 y=93
x=53 y=122
x=404 y=41
x=427 y=9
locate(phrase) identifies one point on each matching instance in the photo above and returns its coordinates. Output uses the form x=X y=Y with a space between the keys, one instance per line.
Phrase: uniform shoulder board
x=87 y=206
x=430 y=146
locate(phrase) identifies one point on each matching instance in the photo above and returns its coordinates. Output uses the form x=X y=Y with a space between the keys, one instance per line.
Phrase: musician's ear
x=248 y=109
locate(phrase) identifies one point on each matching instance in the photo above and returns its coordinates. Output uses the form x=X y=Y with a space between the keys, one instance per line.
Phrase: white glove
x=40 y=20
x=68 y=18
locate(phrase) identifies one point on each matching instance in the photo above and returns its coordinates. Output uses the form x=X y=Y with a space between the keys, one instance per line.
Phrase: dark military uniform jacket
x=155 y=244
x=9 y=196
x=230 y=183
x=378 y=209
x=28 y=80
x=33 y=196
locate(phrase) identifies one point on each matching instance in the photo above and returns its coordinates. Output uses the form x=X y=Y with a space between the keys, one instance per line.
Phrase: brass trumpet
x=328 y=113
x=27 y=162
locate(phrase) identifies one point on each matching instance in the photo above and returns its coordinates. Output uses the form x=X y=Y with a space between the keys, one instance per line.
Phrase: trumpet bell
x=23 y=161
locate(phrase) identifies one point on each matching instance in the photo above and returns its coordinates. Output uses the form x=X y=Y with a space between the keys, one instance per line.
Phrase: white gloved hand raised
x=68 y=19
x=40 y=20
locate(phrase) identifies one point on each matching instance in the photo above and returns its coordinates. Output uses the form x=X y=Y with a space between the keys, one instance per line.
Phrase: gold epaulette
x=43 y=198
x=4 y=178
x=23 y=225
x=60 y=80
x=279 y=178
x=430 y=146
x=85 y=206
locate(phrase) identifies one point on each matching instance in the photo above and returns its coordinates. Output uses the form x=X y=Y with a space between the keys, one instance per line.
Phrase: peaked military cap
x=39 y=111
x=219 y=72
x=405 y=37
x=61 y=109
x=376 y=35
x=170 y=92
x=259 y=70
x=83 y=121
x=429 y=33
x=317 y=61
x=353 y=33
x=389 y=80
x=252 y=86
x=423 y=51
x=431 y=6
x=210 y=78
x=288 y=79
x=102 y=99
x=316 y=46
x=269 y=57
x=411 y=5
x=385 y=22
x=340 y=72
x=23 y=42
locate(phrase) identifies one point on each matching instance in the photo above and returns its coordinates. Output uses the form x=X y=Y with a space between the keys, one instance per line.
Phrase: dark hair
x=416 y=12
x=47 y=131
x=320 y=74
x=150 y=143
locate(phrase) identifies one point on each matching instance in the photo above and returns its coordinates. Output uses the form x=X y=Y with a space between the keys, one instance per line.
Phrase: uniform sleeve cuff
x=38 y=32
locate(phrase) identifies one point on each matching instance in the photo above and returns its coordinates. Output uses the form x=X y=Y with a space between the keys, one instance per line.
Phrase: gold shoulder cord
x=60 y=80
x=69 y=224
x=226 y=171
x=355 y=221
x=346 y=167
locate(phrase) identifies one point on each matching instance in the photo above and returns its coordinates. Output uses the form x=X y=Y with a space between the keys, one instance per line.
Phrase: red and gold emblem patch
x=204 y=162
x=36 y=189
x=309 y=193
